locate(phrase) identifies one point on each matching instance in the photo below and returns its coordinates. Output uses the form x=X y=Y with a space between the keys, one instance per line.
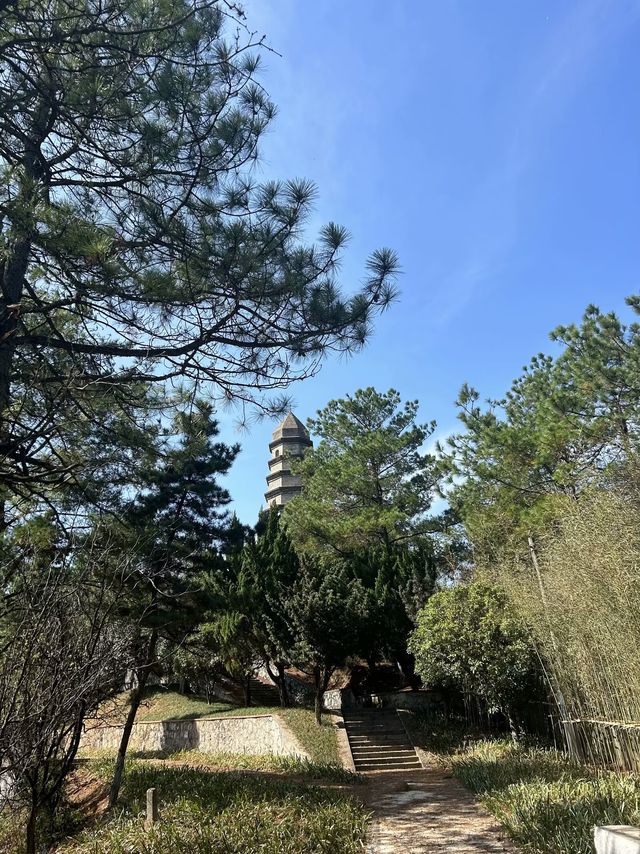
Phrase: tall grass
x=203 y=812
x=546 y=802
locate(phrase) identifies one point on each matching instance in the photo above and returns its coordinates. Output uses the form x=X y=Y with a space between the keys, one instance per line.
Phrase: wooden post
x=152 y=808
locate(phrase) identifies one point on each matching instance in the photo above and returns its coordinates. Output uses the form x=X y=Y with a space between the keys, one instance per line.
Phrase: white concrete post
x=152 y=808
x=617 y=839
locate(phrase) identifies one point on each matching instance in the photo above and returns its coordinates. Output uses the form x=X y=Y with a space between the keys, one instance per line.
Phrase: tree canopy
x=329 y=613
x=471 y=637
x=368 y=481
x=136 y=246
x=567 y=424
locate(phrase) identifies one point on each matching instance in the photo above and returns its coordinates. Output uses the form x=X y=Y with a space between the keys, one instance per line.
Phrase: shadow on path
x=429 y=811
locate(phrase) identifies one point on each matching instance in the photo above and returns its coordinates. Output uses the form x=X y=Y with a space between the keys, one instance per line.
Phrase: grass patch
x=202 y=812
x=303 y=768
x=12 y=822
x=320 y=742
x=547 y=803
x=159 y=704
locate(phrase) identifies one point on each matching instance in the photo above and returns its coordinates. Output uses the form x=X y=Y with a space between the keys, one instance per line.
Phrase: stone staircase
x=379 y=742
x=264 y=692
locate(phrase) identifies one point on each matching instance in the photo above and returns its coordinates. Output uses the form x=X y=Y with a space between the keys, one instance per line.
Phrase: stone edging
x=344 y=748
x=420 y=753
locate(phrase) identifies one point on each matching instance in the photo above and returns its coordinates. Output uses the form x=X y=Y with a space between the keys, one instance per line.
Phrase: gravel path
x=429 y=811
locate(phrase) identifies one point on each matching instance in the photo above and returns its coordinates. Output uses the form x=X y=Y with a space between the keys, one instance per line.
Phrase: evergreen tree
x=228 y=628
x=135 y=245
x=367 y=483
x=248 y=623
x=328 y=610
x=567 y=424
x=397 y=582
x=175 y=526
x=272 y=568
x=367 y=489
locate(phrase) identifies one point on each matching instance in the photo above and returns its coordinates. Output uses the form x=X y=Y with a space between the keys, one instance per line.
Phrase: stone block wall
x=255 y=734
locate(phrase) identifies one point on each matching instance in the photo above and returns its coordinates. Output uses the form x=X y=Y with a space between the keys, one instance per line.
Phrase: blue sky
x=494 y=145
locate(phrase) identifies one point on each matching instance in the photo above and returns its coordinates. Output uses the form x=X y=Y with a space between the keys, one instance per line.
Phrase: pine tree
x=328 y=610
x=566 y=424
x=272 y=567
x=135 y=245
x=367 y=483
x=175 y=526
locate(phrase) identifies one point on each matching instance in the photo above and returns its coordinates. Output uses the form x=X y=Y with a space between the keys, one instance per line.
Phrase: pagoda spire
x=289 y=441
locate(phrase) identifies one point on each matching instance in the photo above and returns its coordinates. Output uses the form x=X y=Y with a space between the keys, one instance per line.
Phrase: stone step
x=379 y=742
x=384 y=748
x=390 y=766
x=360 y=733
x=374 y=751
x=374 y=716
x=392 y=725
x=373 y=746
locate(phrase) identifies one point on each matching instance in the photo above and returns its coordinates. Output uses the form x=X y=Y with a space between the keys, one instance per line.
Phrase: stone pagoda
x=289 y=441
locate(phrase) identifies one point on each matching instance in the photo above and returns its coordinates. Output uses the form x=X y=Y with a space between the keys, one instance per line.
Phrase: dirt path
x=428 y=811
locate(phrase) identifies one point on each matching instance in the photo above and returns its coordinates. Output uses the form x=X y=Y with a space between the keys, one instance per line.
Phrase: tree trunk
x=371 y=667
x=514 y=729
x=247 y=690
x=142 y=675
x=279 y=679
x=30 y=832
x=283 y=690
x=14 y=268
x=467 y=709
x=407 y=664
x=321 y=678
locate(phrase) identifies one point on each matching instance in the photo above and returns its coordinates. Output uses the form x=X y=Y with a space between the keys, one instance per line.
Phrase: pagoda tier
x=289 y=442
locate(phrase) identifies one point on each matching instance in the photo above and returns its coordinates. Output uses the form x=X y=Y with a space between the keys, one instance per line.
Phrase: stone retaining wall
x=256 y=734
x=414 y=700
